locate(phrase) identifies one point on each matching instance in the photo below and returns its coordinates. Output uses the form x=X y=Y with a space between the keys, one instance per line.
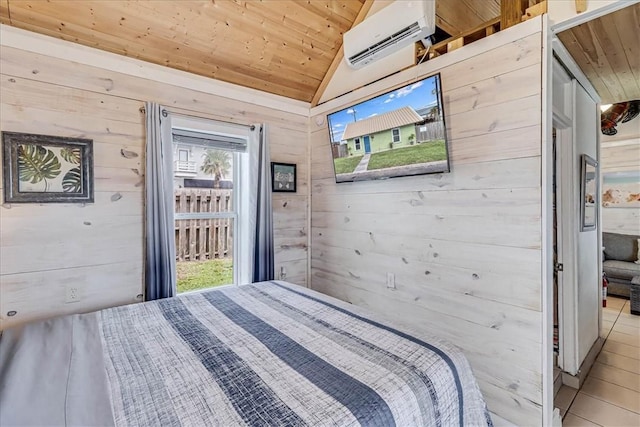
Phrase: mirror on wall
x=589 y=199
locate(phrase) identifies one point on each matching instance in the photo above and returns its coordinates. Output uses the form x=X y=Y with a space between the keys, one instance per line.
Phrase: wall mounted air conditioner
x=400 y=24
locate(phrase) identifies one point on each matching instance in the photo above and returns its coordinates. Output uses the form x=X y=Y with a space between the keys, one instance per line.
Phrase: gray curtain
x=160 y=275
x=263 y=240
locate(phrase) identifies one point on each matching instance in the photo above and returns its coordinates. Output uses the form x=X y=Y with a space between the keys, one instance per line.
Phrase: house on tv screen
x=382 y=132
x=394 y=129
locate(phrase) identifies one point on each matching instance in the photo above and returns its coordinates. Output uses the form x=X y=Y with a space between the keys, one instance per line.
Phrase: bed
x=265 y=354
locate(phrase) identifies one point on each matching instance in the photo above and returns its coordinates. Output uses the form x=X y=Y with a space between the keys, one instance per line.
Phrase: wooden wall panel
x=465 y=246
x=41 y=294
x=621 y=220
x=99 y=246
x=621 y=156
x=17 y=63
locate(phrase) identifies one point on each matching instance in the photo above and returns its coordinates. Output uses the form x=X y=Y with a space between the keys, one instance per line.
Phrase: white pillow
x=638 y=254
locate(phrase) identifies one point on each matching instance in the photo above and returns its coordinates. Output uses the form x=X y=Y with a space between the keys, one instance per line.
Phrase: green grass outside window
x=194 y=275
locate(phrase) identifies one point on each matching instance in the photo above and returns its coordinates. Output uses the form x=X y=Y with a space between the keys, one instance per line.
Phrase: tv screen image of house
x=399 y=133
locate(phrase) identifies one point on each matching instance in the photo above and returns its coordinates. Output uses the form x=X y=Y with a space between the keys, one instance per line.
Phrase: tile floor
x=610 y=395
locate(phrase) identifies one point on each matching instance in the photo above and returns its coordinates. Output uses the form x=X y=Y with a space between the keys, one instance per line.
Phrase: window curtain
x=261 y=212
x=160 y=278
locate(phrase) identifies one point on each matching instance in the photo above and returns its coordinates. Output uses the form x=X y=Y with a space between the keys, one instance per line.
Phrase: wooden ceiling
x=283 y=47
x=607 y=49
x=458 y=16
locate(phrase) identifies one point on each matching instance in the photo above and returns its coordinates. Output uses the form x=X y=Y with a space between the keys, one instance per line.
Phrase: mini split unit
x=398 y=25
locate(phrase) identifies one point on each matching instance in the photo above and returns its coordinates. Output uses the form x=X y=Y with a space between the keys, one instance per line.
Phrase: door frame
x=566 y=244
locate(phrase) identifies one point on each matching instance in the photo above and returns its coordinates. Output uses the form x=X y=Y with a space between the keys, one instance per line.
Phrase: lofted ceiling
x=607 y=50
x=283 y=47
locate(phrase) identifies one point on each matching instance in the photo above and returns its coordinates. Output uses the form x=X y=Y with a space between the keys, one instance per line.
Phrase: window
x=395 y=134
x=210 y=204
x=357 y=143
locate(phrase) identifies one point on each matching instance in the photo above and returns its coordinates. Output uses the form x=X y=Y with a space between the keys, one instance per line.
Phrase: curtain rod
x=251 y=127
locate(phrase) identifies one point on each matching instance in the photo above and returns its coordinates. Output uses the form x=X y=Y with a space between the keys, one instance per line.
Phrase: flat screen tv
x=399 y=133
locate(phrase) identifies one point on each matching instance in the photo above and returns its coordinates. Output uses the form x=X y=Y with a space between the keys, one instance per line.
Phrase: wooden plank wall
x=465 y=246
x=99 y=247
x=621 y=156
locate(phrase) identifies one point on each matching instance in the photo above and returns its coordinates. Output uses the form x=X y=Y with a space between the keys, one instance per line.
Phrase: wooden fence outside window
x=203 y=239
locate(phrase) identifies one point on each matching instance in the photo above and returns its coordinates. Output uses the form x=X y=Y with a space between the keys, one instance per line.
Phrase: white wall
x=465 y=246
x=53 y=87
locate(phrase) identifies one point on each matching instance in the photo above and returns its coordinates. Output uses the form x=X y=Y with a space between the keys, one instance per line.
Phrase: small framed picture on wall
x=283 y=177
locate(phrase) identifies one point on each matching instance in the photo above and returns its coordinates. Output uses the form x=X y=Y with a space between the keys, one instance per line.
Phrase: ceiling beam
x=5 y=17
x=457 y=16
x=581 y=6
x=364 y=10
x=511 y=12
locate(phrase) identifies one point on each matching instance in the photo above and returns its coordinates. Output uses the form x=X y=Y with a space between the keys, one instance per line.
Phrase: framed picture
x=621 y=189
x=47 y=169
x=283 y=177
x=589 y=193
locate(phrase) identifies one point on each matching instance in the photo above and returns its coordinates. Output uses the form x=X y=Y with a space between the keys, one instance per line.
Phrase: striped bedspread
x=275 y=354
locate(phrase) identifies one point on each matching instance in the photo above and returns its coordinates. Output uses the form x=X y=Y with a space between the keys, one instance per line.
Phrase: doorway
x=367 y=144
x=576 y=258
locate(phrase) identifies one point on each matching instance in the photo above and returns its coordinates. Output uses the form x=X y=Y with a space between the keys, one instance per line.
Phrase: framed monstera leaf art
x=47 y=169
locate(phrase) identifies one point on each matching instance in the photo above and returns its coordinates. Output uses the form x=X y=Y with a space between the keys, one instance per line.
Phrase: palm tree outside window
x=216 y=163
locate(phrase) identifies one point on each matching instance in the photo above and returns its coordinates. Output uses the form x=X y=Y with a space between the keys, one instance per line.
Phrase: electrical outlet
x=283 y=273
x=72 y=294
x=391 y=281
